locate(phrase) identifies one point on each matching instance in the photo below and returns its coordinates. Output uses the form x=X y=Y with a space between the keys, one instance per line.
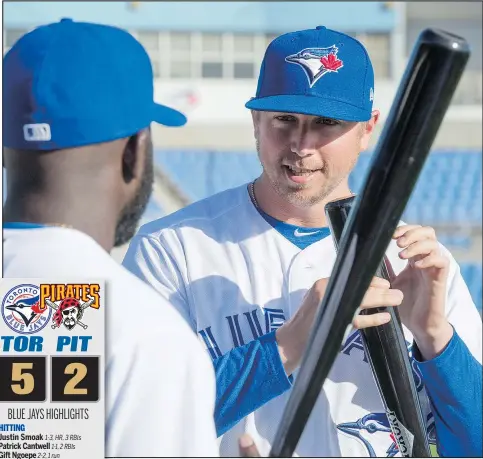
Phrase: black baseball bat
x=387 y=354
x=424 y=94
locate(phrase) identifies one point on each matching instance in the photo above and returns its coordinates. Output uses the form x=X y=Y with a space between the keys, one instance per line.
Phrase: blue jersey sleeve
x=247 y=377
x=453 y=383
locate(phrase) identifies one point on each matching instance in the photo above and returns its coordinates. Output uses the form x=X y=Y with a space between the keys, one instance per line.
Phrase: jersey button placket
x=300 y=278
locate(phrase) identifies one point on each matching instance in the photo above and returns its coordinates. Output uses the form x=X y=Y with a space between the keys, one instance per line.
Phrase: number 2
x=79 y=370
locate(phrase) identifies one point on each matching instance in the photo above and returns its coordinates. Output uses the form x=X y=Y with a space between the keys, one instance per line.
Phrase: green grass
x=434 y=451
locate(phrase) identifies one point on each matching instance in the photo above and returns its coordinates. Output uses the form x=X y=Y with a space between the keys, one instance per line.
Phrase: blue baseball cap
x=317 y=72
x=70 y=84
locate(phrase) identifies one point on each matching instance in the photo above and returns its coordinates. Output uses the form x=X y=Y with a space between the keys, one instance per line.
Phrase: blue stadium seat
x=458 y=241
x=188 y=169
x=153 y=211
x=203 y=173
x=472 y=275
x=449 y=189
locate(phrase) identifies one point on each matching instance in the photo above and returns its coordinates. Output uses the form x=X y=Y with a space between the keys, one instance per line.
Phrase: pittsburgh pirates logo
x=69 y=313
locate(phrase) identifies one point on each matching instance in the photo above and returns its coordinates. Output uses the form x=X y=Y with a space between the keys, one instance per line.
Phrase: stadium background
x=206 y=58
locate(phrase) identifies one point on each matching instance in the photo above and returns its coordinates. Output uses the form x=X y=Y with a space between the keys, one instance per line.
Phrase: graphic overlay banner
x=52 y=368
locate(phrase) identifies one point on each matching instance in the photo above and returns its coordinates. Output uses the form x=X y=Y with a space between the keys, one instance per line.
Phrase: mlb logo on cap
x=37 y=132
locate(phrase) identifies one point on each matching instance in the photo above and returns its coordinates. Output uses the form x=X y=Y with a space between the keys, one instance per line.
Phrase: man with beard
x=248 y=268
x=77 y=106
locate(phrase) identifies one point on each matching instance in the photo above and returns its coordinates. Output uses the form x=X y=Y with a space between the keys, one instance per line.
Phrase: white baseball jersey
x=160 y=387
x=232 y=276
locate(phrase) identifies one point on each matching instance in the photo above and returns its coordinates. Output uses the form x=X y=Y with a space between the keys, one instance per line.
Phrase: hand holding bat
x=423 y=282
x=292 y=336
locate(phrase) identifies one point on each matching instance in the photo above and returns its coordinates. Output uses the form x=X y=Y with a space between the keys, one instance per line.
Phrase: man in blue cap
x=248 y=267
x=77 y=108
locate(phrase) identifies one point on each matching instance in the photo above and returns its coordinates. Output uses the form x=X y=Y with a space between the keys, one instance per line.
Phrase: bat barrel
x=424 y=94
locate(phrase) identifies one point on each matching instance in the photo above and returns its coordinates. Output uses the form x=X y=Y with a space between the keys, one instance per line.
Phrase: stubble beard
x=297 y=194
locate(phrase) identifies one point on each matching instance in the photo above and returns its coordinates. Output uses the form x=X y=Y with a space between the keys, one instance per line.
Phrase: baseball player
x=77 y=106
x=248 y=267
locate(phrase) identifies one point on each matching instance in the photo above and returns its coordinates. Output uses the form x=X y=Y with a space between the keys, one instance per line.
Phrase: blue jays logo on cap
x=316 y=62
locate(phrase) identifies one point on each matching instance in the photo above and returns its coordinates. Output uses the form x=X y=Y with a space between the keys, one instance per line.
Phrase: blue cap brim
x=168 y=116
x=308 y=105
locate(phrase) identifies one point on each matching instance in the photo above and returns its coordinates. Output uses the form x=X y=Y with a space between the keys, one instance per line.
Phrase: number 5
x=27 y=380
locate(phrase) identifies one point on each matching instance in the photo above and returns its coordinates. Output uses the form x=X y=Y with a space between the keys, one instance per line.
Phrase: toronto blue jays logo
x=21 y=310
x=375 y=429
x=316 y=62
x=367 y=429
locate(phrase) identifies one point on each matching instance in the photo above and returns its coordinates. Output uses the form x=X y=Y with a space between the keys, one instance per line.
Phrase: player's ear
x=133 y=157
x=368 y=129
x=256 y=122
